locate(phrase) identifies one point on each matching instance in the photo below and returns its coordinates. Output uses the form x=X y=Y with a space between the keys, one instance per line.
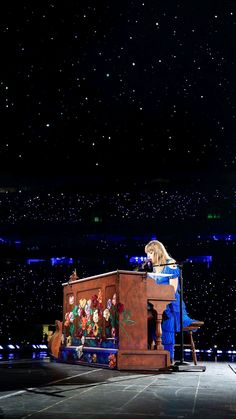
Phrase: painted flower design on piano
x=119 y=316
x=90 y=314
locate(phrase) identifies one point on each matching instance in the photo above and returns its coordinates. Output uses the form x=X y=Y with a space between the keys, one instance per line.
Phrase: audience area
x=101 y=232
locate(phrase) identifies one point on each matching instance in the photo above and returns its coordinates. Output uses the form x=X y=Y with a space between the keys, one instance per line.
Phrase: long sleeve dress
x=171 y=315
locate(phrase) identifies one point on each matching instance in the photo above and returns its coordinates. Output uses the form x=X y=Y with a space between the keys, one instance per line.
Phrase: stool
x=189 y=329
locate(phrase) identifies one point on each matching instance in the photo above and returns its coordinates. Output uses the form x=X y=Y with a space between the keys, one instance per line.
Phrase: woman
x=169 y=275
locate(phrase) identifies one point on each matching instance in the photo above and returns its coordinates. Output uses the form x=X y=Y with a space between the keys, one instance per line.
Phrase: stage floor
x=45 y=389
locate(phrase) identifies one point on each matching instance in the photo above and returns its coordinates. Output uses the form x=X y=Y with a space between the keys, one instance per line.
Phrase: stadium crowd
x=114 y=227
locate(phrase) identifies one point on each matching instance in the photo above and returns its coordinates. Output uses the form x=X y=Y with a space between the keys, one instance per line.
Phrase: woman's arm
x=174 y=282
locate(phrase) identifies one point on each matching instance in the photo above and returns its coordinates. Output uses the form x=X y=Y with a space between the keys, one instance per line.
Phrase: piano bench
x=189 y=332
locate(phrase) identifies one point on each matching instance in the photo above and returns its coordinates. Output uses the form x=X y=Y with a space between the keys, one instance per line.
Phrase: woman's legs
x=168 y=335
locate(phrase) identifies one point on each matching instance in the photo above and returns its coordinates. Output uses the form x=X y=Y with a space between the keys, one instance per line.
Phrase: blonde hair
x=160 y=253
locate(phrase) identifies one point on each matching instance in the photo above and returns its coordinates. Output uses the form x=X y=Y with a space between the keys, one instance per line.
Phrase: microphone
x=147 y=266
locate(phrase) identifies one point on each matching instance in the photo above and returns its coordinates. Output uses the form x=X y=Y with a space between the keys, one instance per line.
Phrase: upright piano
x=105 y=321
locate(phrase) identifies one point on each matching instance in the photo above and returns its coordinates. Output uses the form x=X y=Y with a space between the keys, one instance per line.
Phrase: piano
x=105 y=321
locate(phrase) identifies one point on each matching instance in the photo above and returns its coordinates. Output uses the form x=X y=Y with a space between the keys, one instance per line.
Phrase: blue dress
x=171 y=315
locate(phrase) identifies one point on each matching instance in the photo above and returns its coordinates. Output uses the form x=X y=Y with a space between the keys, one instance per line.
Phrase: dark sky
x=112 y=87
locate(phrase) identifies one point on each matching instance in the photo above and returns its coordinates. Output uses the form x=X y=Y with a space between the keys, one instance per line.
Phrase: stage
x=46 y=389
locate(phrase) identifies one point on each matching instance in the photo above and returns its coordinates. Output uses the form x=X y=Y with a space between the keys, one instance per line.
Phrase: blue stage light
x=11 y=346
x=137 y=259
x=35 y=260
x=61 y=261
